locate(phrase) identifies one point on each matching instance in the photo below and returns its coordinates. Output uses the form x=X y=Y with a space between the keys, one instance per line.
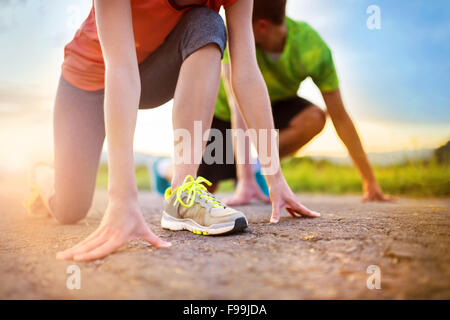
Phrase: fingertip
x=164 y=244
x=157 y=242
x=391 y=198
x=274 y=220
x=84 y=257
x=63 y=255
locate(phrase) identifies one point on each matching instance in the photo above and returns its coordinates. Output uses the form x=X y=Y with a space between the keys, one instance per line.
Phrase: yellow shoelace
x=28 y=203
x=195 y=187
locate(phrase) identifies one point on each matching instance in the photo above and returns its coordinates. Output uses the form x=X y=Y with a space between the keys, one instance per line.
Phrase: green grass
x=142 y=178
x=419 y=179
x=416 y=179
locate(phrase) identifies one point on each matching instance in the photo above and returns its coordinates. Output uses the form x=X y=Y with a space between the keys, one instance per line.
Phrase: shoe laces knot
x=195 y=187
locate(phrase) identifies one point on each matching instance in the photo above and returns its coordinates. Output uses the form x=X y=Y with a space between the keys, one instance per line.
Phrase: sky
x=394 y=80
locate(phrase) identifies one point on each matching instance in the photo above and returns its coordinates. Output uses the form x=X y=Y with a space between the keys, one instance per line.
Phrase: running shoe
x=37 y=203
x=160 y=183
x=191 y=207
x=259 y=177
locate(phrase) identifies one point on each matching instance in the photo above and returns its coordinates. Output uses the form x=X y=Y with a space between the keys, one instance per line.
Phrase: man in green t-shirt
x=288 y=52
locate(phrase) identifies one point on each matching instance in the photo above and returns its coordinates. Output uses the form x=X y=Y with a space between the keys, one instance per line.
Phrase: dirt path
x=296 y=259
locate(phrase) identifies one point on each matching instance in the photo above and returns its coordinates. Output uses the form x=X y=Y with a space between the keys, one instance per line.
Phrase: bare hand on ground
x=246 y=191
x=373 y=192
x=121 y=223
x=282 y=196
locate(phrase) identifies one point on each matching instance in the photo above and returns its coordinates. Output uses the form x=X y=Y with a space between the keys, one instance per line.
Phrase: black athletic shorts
x=283 y=111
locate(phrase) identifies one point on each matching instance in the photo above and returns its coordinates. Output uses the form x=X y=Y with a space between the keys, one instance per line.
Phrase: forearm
x=349 y=136
x=254 y=105
x=122 y=92
x=249 y=87
x=347 y=132
x=242 y=152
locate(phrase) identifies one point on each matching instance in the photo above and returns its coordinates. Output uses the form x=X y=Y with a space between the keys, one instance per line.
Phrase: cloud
x=13 y=13
x=13 y=2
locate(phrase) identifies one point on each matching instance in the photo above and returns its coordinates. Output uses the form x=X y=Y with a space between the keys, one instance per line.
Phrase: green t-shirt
x=305 y=55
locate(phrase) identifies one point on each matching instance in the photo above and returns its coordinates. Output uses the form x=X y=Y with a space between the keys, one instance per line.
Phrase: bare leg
x=67 y=190
x=168 y=175
x=195 y=97
x=302 y=128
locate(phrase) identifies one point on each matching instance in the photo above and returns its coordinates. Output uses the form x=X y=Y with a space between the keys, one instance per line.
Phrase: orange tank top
x=153 y=20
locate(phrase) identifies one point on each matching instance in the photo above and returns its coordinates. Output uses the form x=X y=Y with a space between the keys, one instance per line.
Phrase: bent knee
x=203 y=26
x=70 y=213
x=318 y=119
x=313 y=118
x=206 y=20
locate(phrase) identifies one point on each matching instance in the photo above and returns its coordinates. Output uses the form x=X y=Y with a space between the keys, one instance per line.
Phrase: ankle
x=180 y=173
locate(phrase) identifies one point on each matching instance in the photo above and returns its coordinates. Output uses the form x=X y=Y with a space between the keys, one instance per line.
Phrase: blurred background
x=394 y=81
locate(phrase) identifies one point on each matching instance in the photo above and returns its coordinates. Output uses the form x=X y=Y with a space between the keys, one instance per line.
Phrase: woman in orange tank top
x=131 y=54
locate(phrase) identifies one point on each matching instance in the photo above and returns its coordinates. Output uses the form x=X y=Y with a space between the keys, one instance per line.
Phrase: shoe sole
x=171 y=223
